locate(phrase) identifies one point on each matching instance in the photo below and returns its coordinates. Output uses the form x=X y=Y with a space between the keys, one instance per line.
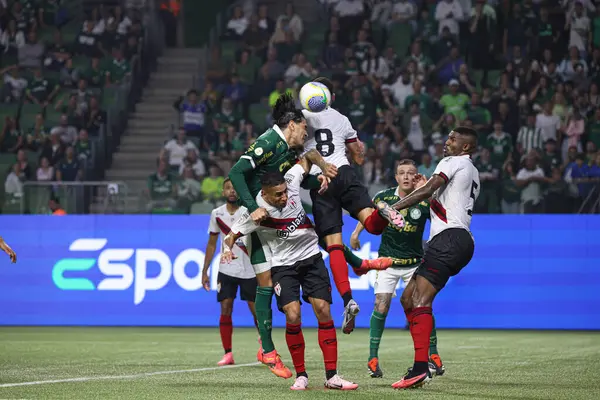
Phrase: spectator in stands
x=500 y=145
x=455 y=102
x=529 y=136
x=530 y=179
x=195 y=163
x=162 y=188
x=94 y=117
x=350 y=14
x=189 y=188
x=14 y=85
x=375 y=65
x=37 y=135
x=547 y=123
x=87 y=43
x=427 y=166
x=41 y=91
x=235 y=90
x=417 y=126
x=54 y=148
x=95 y=75
x=332 y=54
x=26 y=172
x=361 y=47
x=45 y=171
x=212 y=185
x=55 y=207
x=510 y=202
x=69 y=75
x=272 y=70
x=118 y=69
x=237 y=24
x=178 y=148
x=83 y=147
x=287 y=48
x=404 y=12
x=488 y=176
x=579 y=26
x=301 y=71
x=11 y=138
x=57 y=53
x=449 y=13
x=359 y=114
x=69 y=169
x=448 y=69
x=551 y=158
x=294 y=21
x=65 y=130
x=13 y=186
x=131 y=48
x=194 y=116
x=12 y=40
x=227 y=115
x=255 y=39
x=32 y=52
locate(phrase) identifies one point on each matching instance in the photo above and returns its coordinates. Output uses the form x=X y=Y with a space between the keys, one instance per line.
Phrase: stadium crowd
x=56 y=70
x=525 y=74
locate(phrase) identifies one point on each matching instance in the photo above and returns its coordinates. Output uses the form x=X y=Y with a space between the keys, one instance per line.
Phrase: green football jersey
x=404 y=246
x=500 y=147
x=270 y=152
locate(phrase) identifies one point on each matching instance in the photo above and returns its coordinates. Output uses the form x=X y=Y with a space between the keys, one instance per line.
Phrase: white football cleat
x=301 y=383
x=350 y=312
x=338 y=383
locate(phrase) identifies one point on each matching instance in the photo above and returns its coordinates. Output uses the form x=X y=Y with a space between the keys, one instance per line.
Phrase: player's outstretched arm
x=228 y=243
x=422 y=193
x=321 y=182
x=357 y=152
x=315 y=158
x=238 y=180
x=6 y=248
x=211 y=247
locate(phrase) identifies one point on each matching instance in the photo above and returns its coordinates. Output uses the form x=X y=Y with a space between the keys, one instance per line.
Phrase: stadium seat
x=400 y=38
x=204 y=207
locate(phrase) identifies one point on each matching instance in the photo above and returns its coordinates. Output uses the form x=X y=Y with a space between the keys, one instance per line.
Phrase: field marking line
x=132 y=376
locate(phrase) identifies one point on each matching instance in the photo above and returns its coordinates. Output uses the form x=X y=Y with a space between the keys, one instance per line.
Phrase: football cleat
x=391 y=215
x=350 y=312
x=379 y=264
x=374 y=370
x=226 y=360
x=337 y=382
x=301 y=383
x=436 y=367
x=259 y=356
x=277 y=367
x=413 y=380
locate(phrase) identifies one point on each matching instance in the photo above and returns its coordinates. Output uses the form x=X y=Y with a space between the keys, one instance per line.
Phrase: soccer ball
x=315 y=97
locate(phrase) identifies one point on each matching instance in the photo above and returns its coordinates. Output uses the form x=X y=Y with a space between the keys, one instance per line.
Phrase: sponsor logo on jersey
x=258 y=151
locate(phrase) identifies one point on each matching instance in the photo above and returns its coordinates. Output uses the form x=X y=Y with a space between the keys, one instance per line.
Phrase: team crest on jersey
x=258 y=151
x=415 y=213
x=292 y=203
x=277 y=289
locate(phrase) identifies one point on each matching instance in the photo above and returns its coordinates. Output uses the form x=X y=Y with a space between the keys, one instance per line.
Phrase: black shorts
x=447 y=253
x=227 y=287
x=346 y=191
x=311 y=274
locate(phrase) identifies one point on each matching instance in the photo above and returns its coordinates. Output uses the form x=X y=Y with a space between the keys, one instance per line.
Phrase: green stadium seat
x=81 y=62
x=400 y=38
x=28 y=113
x=257 y=114
x=8 y=110
x=228 y=50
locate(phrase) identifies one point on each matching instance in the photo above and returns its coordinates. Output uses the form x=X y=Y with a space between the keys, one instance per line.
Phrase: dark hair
x=466 y=131
x=406 y=161
x=580 y=156
x=325 y=81
x=285 y=111
x=226 y=180
x=272 y=178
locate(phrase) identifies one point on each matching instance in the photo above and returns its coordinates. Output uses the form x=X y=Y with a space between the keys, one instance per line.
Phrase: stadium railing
x=94 y=197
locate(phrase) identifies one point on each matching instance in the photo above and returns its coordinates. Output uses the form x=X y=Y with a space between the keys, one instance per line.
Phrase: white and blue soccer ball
x=315 y=97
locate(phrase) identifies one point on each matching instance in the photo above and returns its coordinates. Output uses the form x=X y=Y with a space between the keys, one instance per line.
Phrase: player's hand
x=355 y=241
x=330 y=171
x=205 y=282
x=420 y=180
x=324 y=183
x=227 y=257
x=6 y=248
x=259 y=215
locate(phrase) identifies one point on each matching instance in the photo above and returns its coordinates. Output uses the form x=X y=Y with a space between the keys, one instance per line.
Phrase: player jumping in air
x=297 y=262
x=331 y=134
x=453 y=190
x=404 y=248
x=275 y=150
x=238 y=273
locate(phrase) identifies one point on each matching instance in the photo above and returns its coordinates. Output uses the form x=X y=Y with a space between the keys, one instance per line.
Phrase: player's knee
x=322 y=310
x=382 y=303
x=227 y=307
x=332 y=235
x=292 y=313
x=406 y=300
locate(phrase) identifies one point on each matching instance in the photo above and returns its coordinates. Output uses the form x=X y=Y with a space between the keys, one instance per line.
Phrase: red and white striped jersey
x=329 y=132
x=288 y=232
x=220 y=224
x=452 y=204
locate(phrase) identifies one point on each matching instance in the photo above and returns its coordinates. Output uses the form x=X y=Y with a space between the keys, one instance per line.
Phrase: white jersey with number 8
x=329 y=132
x=452 y=204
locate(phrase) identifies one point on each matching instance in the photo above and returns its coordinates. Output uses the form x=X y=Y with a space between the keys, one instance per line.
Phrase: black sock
x=420 y=367
x=330 y=373
x=304 y=374
x=227 y=351
x=347 y=297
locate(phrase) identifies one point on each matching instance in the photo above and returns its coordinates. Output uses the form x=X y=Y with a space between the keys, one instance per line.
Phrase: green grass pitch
x=180 y=363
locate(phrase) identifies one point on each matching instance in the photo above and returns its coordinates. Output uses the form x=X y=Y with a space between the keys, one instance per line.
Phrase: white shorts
x=264 y=255
x=387 y=280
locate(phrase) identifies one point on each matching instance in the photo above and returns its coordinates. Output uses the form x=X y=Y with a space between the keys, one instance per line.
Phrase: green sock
x=264 y=317
x=375 y=332
x=433 y=340
x=351 y=258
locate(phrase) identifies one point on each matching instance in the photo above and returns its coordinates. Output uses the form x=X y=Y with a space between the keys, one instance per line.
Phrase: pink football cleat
x=301 y=383
x=336 y=382
x=226 y=360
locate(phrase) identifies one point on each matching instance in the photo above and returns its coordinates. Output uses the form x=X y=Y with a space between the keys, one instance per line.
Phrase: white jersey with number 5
x=329 y=131
x=288 y=231
x=452 y=204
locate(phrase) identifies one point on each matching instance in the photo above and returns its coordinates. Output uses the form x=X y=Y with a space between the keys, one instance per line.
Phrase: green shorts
x=260 y=254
